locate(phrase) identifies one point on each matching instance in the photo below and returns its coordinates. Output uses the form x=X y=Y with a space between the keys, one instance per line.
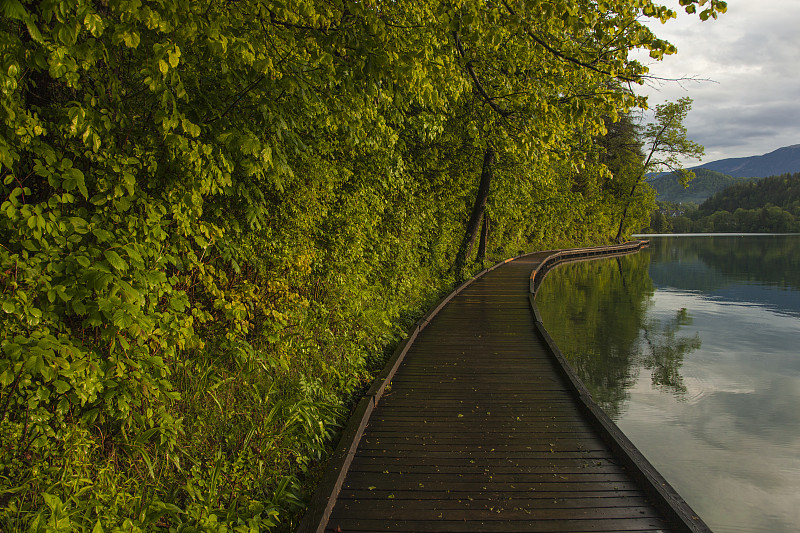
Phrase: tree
x=659 y=223
x=477 y=211
x=665 y=144
x=545 y=77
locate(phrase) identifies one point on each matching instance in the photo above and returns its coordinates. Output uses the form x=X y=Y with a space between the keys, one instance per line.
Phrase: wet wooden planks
x=478 y=431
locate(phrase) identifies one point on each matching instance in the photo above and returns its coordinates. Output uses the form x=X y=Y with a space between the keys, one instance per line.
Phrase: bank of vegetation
x=217 y=217
x=767 y=205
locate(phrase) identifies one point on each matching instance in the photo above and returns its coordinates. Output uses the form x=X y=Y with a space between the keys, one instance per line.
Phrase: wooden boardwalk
x=480 y=429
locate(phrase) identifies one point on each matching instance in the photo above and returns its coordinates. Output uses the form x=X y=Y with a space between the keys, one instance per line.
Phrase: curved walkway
x=476 y=426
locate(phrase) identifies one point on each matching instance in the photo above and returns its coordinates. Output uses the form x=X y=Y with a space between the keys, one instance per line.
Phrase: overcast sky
x=752 y=54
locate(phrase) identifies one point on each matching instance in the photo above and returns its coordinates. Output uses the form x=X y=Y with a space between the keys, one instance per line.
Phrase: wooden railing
x=579 y=254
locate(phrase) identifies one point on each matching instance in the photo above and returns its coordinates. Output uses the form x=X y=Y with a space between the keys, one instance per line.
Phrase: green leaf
x=34 y=32
x=78 y=307
x=115 y=260
x=89 y=417
x=133 y=253
x=174 y=56
x=13 y=9
x=99 y=199
x=79 y=225
x=6 y=378
x=94 y=24
x=102 y=235
x=120 y=319
x=53 y=502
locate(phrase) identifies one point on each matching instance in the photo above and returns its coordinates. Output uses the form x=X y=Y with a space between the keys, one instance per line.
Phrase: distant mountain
x=703 y=186
x=784 y=160
x=715 y=176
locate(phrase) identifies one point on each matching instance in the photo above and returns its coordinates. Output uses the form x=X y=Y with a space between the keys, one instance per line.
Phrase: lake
x=692 y=346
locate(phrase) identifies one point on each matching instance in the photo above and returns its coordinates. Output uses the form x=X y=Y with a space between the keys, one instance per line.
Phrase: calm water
x=693 y=347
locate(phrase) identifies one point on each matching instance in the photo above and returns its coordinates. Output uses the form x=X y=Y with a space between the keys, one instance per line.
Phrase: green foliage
x=666 y=143
x=216 y=218
x=659 y=222
x=782 y=191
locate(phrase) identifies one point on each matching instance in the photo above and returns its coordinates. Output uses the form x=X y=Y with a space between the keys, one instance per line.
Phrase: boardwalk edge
x=665 y=497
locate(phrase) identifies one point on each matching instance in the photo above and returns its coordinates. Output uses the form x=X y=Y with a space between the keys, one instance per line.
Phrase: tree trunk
x=477 y=212
x=484 y=237
x=618 y=238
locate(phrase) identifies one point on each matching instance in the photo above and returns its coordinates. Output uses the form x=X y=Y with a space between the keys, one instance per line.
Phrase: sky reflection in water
x=728 y=438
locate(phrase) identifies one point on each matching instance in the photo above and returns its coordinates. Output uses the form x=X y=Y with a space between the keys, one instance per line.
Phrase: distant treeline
x=766 y=205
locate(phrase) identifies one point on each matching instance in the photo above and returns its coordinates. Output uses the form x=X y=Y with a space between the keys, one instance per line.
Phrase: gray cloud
x=752 y=54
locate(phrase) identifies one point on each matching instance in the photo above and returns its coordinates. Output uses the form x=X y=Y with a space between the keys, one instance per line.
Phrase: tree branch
x=478 y=86
x=238 y=98
x=564 y=57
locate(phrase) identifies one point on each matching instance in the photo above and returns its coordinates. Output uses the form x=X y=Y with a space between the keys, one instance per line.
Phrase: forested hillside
x=717 y=175
x=217 y=218
x=782 y=191
x=668 y=187
x=766 y=205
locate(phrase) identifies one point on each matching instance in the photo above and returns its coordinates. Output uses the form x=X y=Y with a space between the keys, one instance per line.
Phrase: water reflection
x=764 y=270
x=692 y=348
x=665 y=350
x=606 y=329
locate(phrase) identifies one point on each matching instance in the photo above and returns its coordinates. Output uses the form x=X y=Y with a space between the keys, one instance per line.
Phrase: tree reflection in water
x=599 y=314
x=666 y=350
